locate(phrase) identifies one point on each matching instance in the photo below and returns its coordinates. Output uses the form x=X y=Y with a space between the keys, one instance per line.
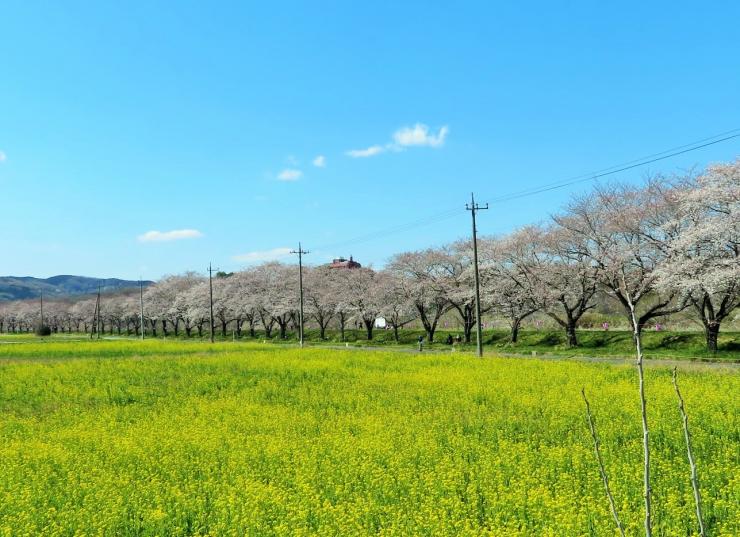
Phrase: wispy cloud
x=363 y=153
x=319 y=161
x=419 y=135
x=263 y=255
x=174 y=235
x=3 y=156
x=290 y=174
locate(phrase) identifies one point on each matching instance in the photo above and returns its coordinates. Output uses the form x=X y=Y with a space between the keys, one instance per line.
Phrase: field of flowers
x=177 y=438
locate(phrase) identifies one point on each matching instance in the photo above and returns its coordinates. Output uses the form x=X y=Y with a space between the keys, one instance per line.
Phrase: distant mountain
x=23 y=287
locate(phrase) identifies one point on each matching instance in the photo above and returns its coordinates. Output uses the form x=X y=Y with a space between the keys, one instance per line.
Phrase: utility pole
x=210 y=288
x=98 y=326
x=94 y=319
x=300 y=253
x=473 y=208
x=141 y=307
x=95 y=328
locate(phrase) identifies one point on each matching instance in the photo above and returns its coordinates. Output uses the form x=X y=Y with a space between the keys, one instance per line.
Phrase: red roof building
x=344 y=263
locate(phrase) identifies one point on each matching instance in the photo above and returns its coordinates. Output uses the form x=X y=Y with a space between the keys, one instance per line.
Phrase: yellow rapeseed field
x=166 y=438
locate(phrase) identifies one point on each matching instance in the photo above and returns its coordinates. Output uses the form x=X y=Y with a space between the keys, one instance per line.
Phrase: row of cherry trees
x=662 y=247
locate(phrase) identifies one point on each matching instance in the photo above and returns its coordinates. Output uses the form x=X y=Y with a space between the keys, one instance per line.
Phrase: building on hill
x=344 y=263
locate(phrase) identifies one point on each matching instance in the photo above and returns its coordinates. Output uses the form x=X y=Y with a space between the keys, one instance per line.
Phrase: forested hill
x=23 y=287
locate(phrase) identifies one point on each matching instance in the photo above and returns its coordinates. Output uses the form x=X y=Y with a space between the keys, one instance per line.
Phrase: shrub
x=43 y=330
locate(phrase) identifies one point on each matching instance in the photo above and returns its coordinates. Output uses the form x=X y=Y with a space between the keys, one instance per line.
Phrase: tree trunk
x=429 y=327
x=369 y=328
x=711 y=330
x=283 y=329
x=468 y=328
x=164 y=327
x=515 y=330
x=570 y=332
x=395 y=332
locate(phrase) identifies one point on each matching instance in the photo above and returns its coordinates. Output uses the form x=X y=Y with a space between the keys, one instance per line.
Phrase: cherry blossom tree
x=454 y=264
x=319 y=292
x=422 y=279
x=622 y=229
x=276 y=293
x=704 y=257
x=396 y=304
x=242 y=300
x=508 y=289
x=560 y=278
x=359 y=285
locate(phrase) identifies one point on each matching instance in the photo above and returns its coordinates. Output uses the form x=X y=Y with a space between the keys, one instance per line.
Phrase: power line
x=597 y=175
x=438 y=217
x=613 y=169
x=591 y=176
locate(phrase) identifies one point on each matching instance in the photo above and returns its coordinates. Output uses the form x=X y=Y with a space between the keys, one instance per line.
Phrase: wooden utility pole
x=98 y=327
x=473 y=208
x=210 y=289
x=300 y=253
x=95 y=328
x=94 y=319
x=141 y=307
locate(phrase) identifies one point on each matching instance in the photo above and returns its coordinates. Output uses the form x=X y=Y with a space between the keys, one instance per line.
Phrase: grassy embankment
x=592 y=343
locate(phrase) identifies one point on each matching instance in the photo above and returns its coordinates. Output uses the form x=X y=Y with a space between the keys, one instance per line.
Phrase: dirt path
x=649 y=362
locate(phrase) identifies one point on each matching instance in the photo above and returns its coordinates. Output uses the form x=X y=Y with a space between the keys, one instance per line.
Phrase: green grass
x=592 y=343
x=678 y=345
x=187 y=438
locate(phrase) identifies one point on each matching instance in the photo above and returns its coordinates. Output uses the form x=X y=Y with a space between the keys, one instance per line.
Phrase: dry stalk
x=692 y=463
x=604 y=476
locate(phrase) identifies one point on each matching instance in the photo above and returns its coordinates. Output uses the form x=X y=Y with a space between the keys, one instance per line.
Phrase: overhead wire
x=591 y=176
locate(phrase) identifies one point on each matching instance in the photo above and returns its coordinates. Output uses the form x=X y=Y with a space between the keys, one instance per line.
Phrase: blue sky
x=119 y=119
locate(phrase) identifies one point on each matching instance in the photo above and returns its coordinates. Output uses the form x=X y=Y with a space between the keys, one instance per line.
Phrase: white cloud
x=261 y=256
x=362 y=153
x=419 y=135
x=3 y=156
x=290 y=174
x=174 y=235
x=319 y=161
